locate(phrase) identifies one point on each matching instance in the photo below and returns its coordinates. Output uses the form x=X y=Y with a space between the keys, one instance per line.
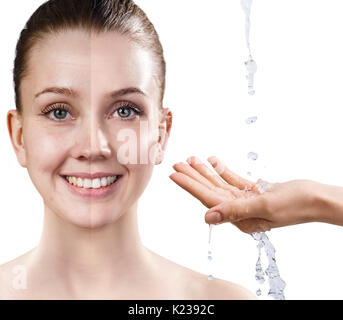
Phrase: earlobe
x=165 y=127
x=164 y=131
x=160 y=156
x=15 y=130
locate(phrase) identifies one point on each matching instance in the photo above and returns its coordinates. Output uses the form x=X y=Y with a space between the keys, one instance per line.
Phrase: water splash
x=276 y=284
x=251 y=67
x=262 y=186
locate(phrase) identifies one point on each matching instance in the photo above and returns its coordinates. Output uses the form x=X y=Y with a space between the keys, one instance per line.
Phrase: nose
x=92 y=143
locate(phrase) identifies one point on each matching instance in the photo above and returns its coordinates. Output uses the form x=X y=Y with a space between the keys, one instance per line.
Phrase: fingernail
x=211 y=159
x=214 y=217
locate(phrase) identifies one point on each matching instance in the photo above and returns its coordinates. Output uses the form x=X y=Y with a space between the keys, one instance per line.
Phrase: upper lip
x=85 y=175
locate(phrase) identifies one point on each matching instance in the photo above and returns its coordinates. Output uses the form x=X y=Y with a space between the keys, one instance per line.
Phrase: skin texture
x=234 y=199
x=91 y=249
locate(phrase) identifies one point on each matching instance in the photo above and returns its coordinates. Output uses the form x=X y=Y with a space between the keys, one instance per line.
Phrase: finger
x=192 y=173
x=198 y=190
x=237 y=210
x=229 y=176
x=188 y=170
x=199 y=166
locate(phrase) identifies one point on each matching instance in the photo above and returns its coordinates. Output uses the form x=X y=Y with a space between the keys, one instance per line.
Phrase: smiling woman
x=89 y=127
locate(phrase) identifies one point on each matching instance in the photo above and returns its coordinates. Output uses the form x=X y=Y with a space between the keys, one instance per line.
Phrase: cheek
x=44 y=150
x=139 y=177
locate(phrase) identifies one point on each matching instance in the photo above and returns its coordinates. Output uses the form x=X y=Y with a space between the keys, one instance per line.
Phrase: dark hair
x=54 y=16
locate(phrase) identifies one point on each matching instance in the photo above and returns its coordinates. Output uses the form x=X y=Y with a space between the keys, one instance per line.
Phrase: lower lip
x=93 y=193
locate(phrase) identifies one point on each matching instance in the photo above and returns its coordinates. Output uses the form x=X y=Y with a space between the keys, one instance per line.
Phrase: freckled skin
x=91 y=249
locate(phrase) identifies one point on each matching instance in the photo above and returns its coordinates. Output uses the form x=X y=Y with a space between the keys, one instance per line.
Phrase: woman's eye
x=127 y=112
x=57 y=112
x=61 y=113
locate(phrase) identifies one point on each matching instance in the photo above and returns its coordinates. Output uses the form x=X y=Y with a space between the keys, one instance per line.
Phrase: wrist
x=328 y=203
x=312 y=201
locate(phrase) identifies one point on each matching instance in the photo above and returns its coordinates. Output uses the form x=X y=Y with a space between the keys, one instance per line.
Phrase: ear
x=15 y=130
x=165 y=125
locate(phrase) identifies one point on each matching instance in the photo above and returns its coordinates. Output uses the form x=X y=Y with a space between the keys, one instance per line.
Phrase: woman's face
x=106 y=124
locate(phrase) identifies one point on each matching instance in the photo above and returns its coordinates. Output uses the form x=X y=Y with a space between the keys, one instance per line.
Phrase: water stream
x=276 y=284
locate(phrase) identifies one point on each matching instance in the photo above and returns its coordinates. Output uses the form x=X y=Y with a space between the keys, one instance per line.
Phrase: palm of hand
x=209 y=187
x=212 y=188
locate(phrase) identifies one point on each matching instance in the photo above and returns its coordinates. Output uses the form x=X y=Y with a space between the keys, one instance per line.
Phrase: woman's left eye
x=127 y=112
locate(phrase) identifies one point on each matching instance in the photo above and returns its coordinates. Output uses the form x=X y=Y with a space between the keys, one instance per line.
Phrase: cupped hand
x=234 y=199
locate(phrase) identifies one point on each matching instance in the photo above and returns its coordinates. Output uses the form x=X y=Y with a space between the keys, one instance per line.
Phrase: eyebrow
x=72 y=93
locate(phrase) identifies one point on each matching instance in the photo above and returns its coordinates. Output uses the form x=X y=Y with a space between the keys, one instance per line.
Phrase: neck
x=92 y=259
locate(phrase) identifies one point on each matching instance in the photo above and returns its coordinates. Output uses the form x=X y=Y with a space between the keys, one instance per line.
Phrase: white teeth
x=79 y=182
x=103 y=181
x=92 y=183
x=87 y=183
x=96 y=184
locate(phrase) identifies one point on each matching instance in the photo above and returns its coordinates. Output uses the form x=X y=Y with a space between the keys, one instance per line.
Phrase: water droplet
x=251 y=120
x=210 y=233
x=258 y=292
x=249 y=173
x=252 y=156
x=209 y=252
x=262 y=186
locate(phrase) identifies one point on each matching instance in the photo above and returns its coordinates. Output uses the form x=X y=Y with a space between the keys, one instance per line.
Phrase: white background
x=297 y=45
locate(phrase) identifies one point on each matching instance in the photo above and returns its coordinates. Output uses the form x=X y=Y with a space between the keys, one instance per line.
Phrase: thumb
x=236 y=210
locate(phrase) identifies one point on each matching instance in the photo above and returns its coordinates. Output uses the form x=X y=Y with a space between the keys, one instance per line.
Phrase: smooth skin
x=92 y=249
x=231 y=198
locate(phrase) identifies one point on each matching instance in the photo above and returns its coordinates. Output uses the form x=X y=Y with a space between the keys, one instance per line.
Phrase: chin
x=92 y=219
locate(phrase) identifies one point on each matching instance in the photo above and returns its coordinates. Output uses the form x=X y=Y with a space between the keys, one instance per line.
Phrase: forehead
x=90 y=63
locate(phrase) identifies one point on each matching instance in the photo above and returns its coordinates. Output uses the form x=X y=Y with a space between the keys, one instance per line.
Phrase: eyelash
x=123 y=105
x=127 y=105
x=54 y=107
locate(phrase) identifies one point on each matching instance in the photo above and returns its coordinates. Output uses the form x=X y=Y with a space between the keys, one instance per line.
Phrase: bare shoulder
x=218 y=289
x=189 y=284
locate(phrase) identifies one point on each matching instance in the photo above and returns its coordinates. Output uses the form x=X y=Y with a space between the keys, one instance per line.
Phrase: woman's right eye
x=57 y=112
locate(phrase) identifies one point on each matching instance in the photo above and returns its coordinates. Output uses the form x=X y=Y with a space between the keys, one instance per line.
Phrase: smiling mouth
x=98 y=183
